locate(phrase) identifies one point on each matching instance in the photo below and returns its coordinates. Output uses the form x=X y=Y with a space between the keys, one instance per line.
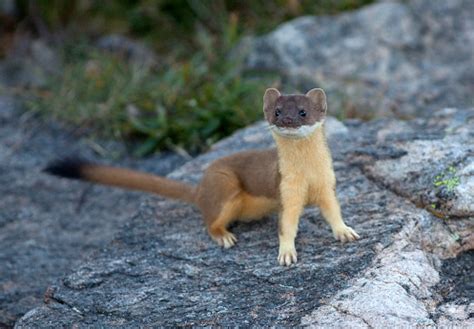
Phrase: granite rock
x=47 y=224
x=162 y=269
x=401 y=59
x=29 y=63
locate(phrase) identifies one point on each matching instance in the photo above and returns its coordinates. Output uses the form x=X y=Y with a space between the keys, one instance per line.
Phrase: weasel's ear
x=318 y=97
x=270 y=97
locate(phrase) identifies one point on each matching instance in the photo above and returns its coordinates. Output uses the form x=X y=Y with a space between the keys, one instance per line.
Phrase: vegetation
x=197 y=94
x=190 y=104
x=447 y=179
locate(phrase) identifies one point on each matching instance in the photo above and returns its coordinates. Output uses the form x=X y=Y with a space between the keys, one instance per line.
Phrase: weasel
x=250 y=185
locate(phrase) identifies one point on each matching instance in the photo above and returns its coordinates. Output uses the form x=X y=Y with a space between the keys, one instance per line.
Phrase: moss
x=447 y=179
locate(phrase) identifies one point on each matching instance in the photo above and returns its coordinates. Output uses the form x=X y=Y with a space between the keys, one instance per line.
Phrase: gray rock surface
x=162 y=269
x=8 y=7
x=47 y=224
x=446 y=164
x=77 y=255
x=29 y=63
x=391 y=58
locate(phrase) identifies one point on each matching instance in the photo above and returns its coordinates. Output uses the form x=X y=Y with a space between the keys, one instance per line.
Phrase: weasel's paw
x=287 y=256
x=227 y=240
x=345 y=234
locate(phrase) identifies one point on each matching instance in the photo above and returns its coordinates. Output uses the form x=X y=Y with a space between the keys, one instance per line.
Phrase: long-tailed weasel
x=249 y=185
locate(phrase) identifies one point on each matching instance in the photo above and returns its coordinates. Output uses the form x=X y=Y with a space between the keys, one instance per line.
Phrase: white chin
x=300 y=132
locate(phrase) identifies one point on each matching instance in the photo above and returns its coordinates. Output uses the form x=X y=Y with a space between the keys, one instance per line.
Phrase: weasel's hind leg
x=218 y=228
x=219 y=199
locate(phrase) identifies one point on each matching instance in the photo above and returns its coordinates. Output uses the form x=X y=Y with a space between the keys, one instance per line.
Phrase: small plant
x=197 y=96
x=189 y=104
x=447 y=179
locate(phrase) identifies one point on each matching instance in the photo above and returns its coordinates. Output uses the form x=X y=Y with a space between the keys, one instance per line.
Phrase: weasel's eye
x=277 y=112
x=302 y=113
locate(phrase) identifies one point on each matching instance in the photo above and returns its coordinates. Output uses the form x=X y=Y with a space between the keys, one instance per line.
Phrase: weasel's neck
x=303 y=153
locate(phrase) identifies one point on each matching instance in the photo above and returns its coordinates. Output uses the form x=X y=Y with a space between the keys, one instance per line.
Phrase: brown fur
x=138 y=181
x=250 y=185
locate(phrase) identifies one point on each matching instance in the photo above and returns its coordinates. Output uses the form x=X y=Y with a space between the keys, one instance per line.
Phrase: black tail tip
x=69 y=167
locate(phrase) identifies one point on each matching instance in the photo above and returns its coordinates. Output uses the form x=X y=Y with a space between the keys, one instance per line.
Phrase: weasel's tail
x=79 y=169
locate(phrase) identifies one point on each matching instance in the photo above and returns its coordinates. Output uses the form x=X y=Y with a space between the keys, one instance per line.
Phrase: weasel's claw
x=345 y=234
x=227 y=241
x=287 y=257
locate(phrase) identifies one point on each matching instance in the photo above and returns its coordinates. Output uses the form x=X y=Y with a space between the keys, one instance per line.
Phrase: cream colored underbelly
x=256 y=207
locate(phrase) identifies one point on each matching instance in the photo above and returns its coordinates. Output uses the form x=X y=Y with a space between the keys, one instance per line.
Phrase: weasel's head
x=294 y=116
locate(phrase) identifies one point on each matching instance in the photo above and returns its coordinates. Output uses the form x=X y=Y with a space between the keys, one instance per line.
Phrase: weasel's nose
x=287 y=121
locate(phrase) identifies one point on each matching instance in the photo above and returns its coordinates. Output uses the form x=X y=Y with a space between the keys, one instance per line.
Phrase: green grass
x=197 y=95
x=190 y=104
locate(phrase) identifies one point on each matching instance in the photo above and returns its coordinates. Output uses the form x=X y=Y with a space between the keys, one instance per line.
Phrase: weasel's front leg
x=292 y=205
x=332 y=214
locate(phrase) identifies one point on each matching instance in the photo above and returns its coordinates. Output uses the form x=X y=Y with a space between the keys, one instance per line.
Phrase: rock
x=456 y=316
x=457 y=288
x=47 y=224
x=134 y=51
x=8 y=8
x=395 y=292
x=162 y=269
x=432 y=167
x=400 y=59
x=9 y=109
x=436 y=173
x=29 y=64
x=45 y=56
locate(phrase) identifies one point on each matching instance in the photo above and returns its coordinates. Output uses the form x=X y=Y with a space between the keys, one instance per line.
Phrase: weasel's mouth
x=288 y=131
x=299 y=132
